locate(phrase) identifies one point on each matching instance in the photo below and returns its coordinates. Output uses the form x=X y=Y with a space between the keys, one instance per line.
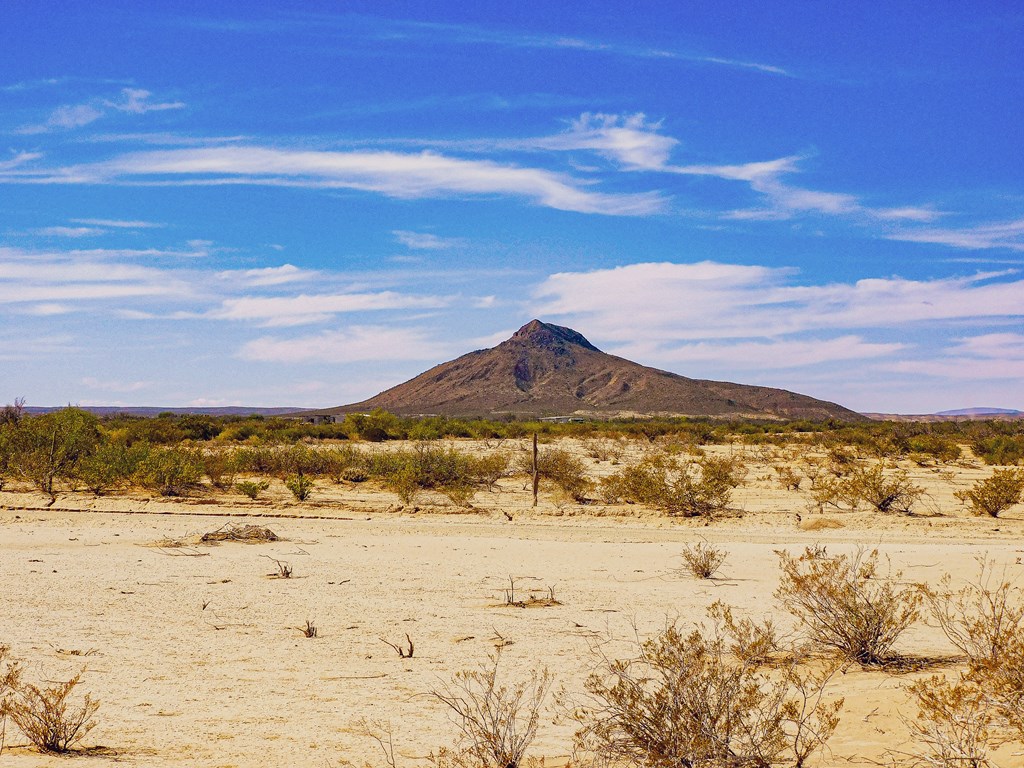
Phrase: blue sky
x=284 y=203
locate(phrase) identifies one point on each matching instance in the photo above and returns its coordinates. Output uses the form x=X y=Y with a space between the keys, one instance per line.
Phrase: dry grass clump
x=244 y=533
x=684 y=700
x=46 y=717
x=497 y=722
x=703 y=559
x=995 y=494
x=846 y=605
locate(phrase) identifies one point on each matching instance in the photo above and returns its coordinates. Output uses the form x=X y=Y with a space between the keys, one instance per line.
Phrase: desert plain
x=196 y=650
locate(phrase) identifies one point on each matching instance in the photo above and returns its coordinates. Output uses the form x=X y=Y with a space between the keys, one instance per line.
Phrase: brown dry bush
x=684 y=700
x=703 y=559
x=873 y=486
x=10 y=676
x=846 y=605
x=46 y=717
x=955 y=725
x=995 y=494
x=749 y=641
x=496 y=722
x=982 y=618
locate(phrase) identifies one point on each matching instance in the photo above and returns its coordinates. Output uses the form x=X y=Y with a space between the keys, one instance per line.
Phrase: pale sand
x=237 y=684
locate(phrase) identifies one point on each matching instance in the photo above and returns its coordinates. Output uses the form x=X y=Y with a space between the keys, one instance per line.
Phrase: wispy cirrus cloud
x=393 y=174
x=305 y=309
x=68 y=231
x=425 y=241
x=1006 y=234
x=401 y=31
x=118 y=223
x=352 y=344
x=134 y=101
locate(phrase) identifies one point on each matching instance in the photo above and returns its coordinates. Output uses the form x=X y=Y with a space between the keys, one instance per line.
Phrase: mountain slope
x=549 y=370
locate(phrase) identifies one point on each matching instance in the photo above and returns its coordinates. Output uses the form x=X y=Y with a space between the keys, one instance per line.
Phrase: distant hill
x=150 y=411
x=981 y=412
x=547 y=370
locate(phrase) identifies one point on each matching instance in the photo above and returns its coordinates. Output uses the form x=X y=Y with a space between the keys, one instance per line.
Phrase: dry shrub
x=880 y=490
x=559 y=466
x=995 y=494
x=244 y=533
x=788 y=477
x=684 y=700
x=749 y=641
x=954 y=726
x=10 y=676
x=496 y=722
x=701 y=488
x=47 y=718
x=702 y=559
x=845 y=604
x=982 y=618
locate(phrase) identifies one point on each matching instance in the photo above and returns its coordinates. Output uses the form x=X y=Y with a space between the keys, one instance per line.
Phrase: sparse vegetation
x=300 y=486
x=701 y=488
x=497 y=722
x=684 y=700
x=252 y=488
x=703 y=559
x=845 y=604
x=995 y=494
x=48 y=719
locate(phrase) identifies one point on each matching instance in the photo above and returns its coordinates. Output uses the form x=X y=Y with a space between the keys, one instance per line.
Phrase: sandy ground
x=196 y=655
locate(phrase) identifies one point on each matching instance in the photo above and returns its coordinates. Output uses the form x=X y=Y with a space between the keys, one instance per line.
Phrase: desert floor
x=195 y=652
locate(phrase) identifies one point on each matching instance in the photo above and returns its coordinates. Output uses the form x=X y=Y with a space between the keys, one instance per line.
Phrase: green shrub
x=1003 y=450
x=559 y=466
x=701 y=488
x=995 y=494
x=171 y=471
x=219 y=466
x=111 y=465
x=300 y=486
x=252 y=488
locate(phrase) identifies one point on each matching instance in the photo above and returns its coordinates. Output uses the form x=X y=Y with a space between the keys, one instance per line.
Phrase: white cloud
x=263 y=276
x=136 y=101
x=353 y=344
x=117 y=223
x=394 y=174
x=305 y=309
x=669 y=302
x=1007 y=234
x=424 y=241
x=760 y=355
x=628 y=139
x=70 y=116
x=68 y=231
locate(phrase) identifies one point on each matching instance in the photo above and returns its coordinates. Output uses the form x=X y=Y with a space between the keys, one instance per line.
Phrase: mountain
x=548 y=370
x=981 y=412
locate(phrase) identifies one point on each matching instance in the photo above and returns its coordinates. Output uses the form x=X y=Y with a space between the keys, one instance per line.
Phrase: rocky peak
x=545 y=335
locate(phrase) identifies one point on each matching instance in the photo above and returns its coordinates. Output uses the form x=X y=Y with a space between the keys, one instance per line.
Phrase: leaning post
x=536 y=472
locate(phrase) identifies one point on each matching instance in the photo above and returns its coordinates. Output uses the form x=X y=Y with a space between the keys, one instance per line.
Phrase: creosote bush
x=567 y=472
x=300 y=486
x=703 y=559
x=47 y=718
x=701 y=488
x=995 y=494
x=684 y=700
x=251 y=488
x=497 y=722
x=846 y=605
x=10 y=676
